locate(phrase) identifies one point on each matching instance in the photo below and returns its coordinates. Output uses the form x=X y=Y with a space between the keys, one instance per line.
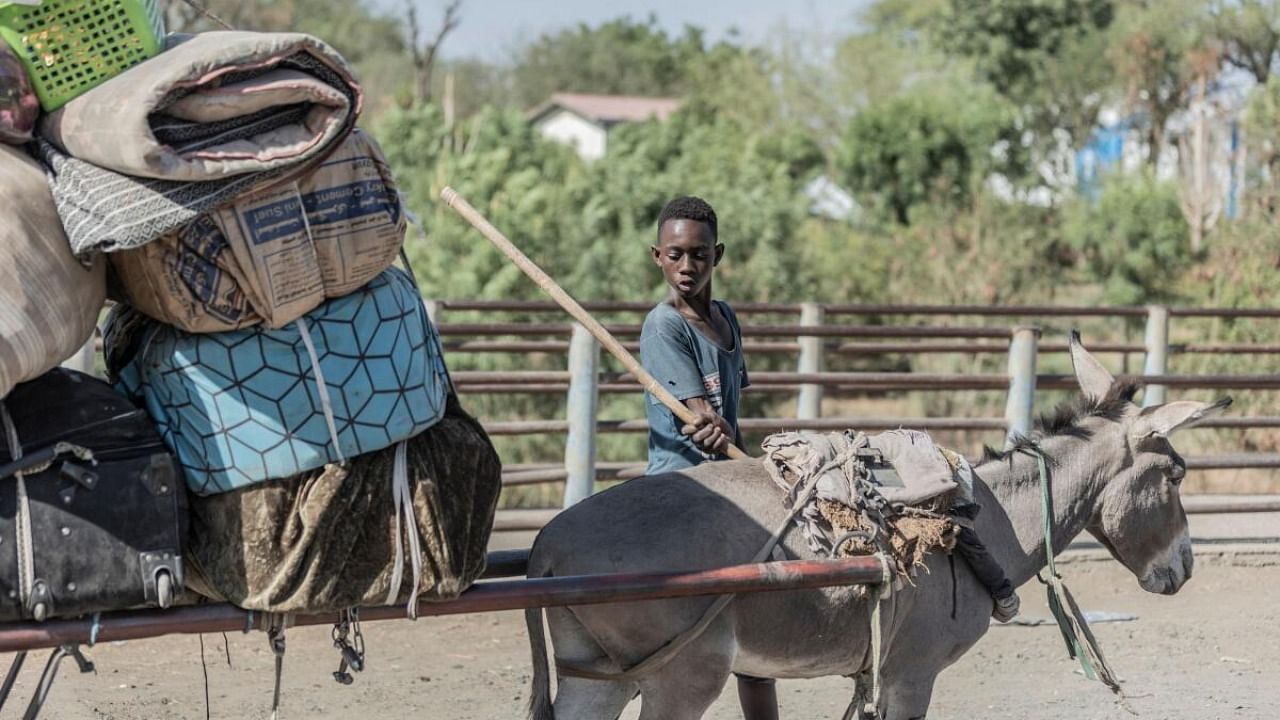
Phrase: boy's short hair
x=688 y=207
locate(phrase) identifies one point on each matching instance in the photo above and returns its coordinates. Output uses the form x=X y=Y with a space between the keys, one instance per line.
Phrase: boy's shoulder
x=664 y=317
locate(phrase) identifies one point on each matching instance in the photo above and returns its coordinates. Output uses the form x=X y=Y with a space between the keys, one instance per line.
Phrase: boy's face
x=687 y=253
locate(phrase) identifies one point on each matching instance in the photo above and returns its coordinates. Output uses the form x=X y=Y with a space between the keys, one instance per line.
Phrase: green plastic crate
x=71 y=46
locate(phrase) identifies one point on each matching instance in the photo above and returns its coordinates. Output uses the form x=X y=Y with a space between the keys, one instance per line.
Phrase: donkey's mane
x=1067 y=419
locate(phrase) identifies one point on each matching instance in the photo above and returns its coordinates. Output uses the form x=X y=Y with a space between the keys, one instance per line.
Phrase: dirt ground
x=1211 y=651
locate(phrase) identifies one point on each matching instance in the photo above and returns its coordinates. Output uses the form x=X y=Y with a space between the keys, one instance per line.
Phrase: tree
x=476 y=84
x=1153 y=51
x=1045 y=56
x=424 y=53
x=1262 y=128
x=1248 y=32
x=591 y=225
x=1133 y=241
x=1200 y=191
x=931 y=146
x=896 y=50
x=621 y=57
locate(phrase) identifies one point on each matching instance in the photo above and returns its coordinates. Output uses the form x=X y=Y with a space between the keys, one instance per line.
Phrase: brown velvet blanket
x=325 y=540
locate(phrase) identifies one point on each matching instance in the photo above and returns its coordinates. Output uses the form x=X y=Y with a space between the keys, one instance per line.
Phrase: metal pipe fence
x=1136 y=311
x=758 y=347
x=534 y=382
x=813 y=339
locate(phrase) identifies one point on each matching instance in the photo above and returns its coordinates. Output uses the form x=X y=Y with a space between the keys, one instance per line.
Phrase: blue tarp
x=1105 y=149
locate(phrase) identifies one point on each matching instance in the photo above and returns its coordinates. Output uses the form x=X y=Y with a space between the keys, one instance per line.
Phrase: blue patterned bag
x=355 y=375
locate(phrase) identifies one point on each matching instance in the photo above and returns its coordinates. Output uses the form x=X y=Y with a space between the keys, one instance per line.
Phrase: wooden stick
x=593 y=326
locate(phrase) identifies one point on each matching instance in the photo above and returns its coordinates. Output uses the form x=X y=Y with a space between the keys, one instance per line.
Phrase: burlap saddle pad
x=888 y=492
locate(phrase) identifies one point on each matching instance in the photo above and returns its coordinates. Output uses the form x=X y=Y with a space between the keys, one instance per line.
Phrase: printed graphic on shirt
x=711 y=383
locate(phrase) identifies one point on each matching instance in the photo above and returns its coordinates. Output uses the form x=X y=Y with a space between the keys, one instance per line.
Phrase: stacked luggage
x=280 y=431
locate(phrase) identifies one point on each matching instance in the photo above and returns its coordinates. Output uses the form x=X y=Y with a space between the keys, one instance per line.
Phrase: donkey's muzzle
x=1169 y=578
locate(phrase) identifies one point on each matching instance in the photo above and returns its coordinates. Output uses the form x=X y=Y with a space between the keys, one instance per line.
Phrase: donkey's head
x=1139 y=517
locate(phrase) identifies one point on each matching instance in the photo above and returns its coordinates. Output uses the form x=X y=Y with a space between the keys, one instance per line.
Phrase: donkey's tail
x=540 y=697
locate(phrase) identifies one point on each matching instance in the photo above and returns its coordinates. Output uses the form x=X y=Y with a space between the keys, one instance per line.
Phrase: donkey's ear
x=1162 y=420
x=1094 y=379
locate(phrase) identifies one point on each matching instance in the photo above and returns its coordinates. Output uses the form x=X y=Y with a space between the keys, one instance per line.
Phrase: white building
x=583 y=121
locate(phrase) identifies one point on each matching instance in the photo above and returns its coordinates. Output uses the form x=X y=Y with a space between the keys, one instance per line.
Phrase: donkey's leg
x=907 y=699
x=579 y=698
x=686 y=686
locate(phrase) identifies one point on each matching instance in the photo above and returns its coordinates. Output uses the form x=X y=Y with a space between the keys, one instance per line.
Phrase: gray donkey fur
x=1114 y=474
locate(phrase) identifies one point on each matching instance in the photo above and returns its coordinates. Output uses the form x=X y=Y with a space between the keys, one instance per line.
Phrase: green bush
x=1133 y=241
x=933 y=146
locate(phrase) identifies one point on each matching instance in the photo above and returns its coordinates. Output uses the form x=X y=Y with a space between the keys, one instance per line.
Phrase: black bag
x=93 y=515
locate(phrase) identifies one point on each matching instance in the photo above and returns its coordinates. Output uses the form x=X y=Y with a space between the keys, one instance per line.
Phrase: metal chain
x=352 y=653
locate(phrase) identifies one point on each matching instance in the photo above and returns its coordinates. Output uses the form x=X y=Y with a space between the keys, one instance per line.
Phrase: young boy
x=693 y=345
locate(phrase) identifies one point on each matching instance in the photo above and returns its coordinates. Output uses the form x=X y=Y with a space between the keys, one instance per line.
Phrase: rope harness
x=870 y=707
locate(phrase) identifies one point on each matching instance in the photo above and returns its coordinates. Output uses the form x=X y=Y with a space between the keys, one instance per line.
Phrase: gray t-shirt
x=689 y=365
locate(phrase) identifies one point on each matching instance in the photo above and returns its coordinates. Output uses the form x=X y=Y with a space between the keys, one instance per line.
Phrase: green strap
x=1054 y=587
x=1048 y=506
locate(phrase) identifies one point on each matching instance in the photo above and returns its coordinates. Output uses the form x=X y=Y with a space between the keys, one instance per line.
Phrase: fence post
x=1157 y=360
x=1022 y=382
x=809 y=401
x=580 y=447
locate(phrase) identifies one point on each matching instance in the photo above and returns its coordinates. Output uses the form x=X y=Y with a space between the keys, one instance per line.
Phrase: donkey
x=1113 y=473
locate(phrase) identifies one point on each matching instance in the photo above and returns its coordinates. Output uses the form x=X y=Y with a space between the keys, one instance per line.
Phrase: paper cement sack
x=274 y=256
x=49 y=302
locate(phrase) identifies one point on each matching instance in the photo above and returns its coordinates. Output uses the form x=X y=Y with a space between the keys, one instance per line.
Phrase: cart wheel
x=164 y=588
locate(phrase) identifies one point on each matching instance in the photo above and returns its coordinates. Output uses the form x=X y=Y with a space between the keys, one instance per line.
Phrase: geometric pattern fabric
x=241 y=407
